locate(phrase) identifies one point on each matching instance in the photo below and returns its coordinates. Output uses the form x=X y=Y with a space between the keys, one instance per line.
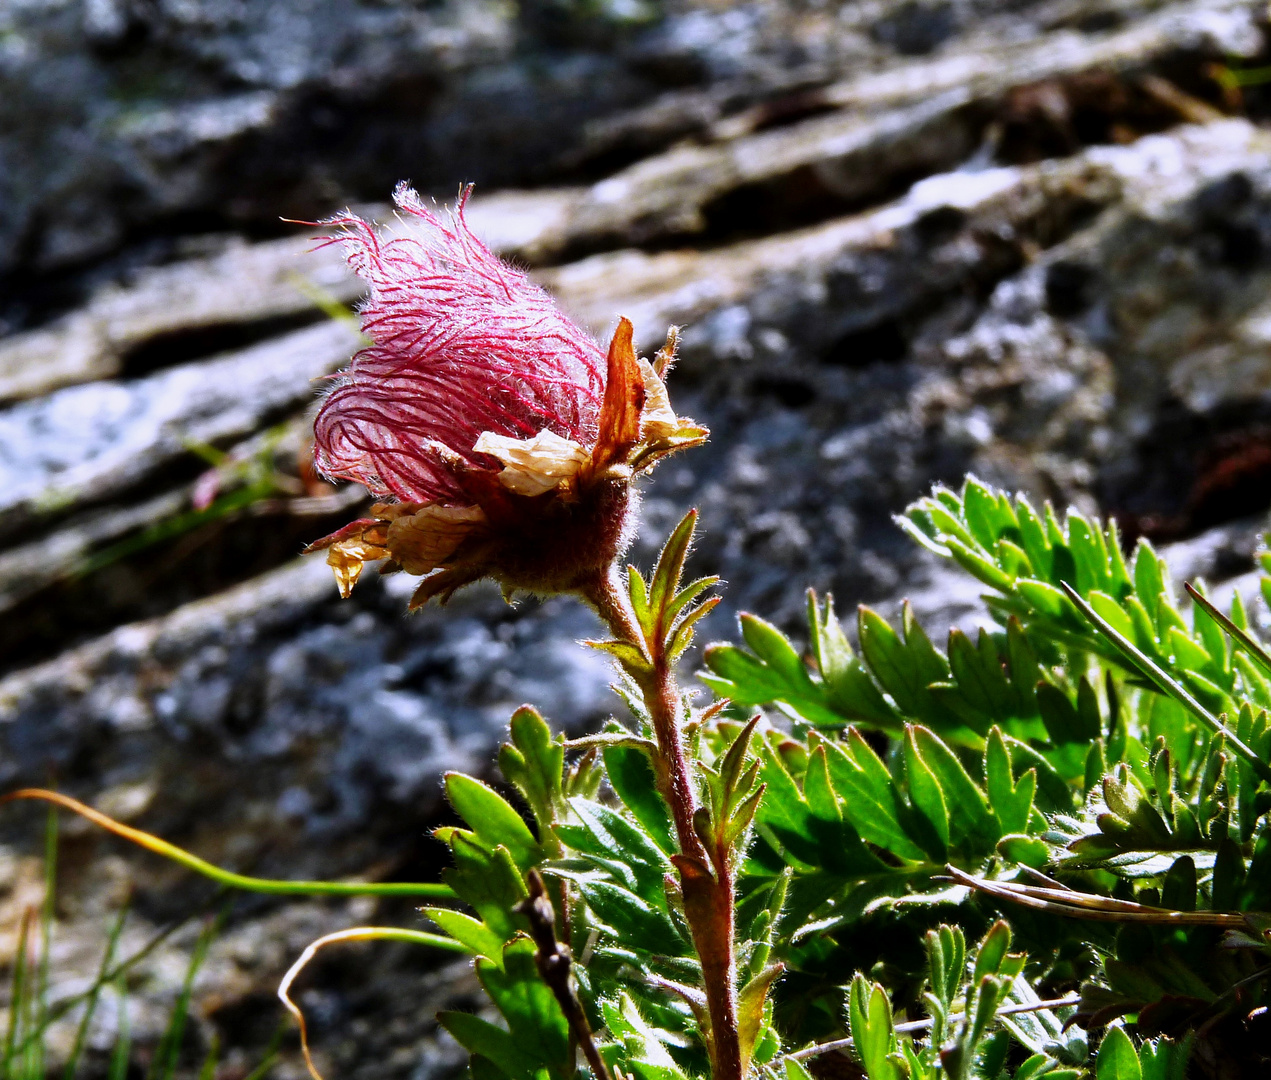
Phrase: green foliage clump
x=794 y=870
x=1085 y=784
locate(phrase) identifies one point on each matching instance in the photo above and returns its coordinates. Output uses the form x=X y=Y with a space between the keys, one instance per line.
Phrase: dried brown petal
x=423 y=541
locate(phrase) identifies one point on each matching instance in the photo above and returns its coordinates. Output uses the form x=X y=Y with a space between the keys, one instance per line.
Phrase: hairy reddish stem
x=706 y=879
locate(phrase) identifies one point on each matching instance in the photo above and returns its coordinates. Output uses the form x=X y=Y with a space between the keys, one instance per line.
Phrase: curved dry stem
x=1078 y=905
x=909 y=1027
x=356 y=933
x=227 y=877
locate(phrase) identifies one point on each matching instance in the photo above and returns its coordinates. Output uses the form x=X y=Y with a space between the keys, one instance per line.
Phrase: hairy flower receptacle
x=501 y=439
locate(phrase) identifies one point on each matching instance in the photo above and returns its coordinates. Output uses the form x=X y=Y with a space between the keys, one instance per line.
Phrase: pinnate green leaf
x=927 y=796
x=482 y=1038
x=533 y=1015
x=970 y=821
x=1011 y=801
x=870 y=798
x=486 y=878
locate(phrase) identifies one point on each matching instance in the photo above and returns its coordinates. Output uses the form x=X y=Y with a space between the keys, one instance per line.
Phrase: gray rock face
x=118 y=114
x=905 y=240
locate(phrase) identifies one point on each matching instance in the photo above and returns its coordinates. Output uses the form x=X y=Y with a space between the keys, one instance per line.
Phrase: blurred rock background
x=907 y=239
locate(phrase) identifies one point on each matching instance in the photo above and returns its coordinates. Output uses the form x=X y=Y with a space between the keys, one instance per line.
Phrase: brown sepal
x=623 y=401
x=353 y=528
x=442 y=585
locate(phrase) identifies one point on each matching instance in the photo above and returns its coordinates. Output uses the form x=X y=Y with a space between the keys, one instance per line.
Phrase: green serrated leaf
x=534 y=762
x=979 y=676
x=927 y=796
x=630 y=774
x=1011 y=801
x=970 y=821
x=1033 y=538
x=533 y=1015
x=1044 y=598
x=482 y=1068
x=1050 y=785
x=1060 y=717
x=870 y=800
x=1149 y=576
x=1026 y=850
x=742 y=678
x=817 y=789
x=480 y=1037
x=1187 y=654
x=629 y=844
x=1085 y=541
x=981 y=510
x=491 y=818
x=487 y=879
x=775 y=650
x=1112 y=611
x=473 y=934
x=637 y=922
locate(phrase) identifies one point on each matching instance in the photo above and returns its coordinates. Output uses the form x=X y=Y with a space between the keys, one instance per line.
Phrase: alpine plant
x=1043 y=852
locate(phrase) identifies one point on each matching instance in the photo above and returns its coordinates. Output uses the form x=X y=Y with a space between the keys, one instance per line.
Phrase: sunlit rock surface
x=905 y=240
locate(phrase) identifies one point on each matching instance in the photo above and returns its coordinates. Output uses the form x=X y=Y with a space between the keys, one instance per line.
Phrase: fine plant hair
x=1044 y=852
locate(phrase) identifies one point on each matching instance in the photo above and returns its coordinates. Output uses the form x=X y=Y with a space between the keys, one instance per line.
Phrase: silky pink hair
x=461 y=343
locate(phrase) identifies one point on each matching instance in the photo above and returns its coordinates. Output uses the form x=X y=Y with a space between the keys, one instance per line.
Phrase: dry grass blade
x=356 y=933
x=1099 y=908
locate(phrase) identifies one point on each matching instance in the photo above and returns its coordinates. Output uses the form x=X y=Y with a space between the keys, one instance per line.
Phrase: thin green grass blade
x=47 y=912
x=94 y=995
x=169 y=1050
x=31 y=1062
x=17 y=997
x=122 y=1050
x=435 y=890
x=1148 y=667
x=327 y=303
x=270 y=1058
x=67 y=1004
x=207 y=1071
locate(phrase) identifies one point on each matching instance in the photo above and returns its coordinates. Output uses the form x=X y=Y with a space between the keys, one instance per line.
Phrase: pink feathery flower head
x=502 y=438
x=461 y=344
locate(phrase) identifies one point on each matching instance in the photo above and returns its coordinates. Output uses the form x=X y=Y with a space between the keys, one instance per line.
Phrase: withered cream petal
x=423 y=541
x=533 y=466
x=346 y=558
x=658 y=419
